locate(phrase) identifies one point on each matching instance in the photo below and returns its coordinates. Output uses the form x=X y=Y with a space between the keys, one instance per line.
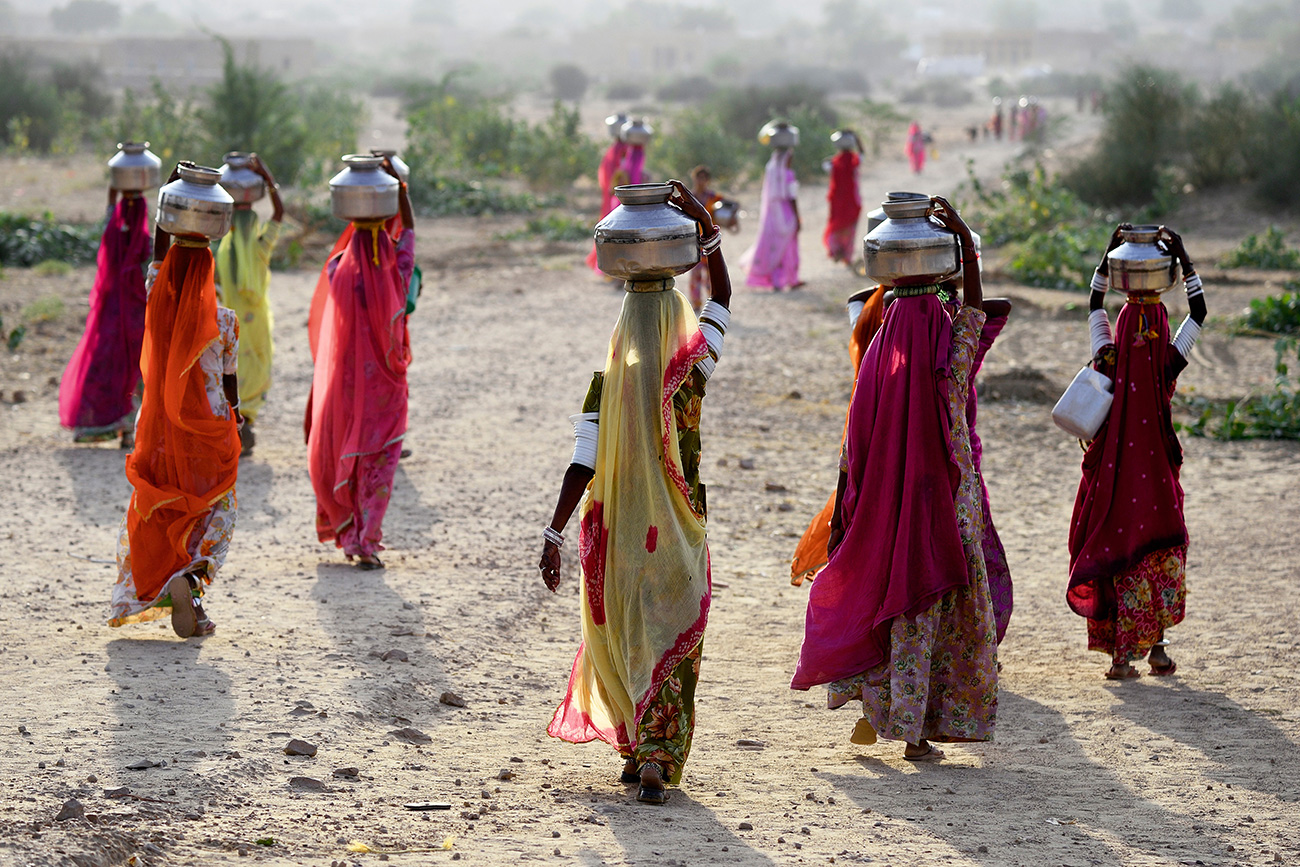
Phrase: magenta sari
x=773 y=261
x=95 y=395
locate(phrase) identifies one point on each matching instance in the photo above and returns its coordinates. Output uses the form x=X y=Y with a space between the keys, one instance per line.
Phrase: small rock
x=555 y=834
x=119 y=792
x=486 y=794
x=774 y=488
x=71 y=809
x=747 y=463
x=750 y=744
x=308 y=784
x=505 y=774
x=142 y=765
x=556 y=852
x=194 y=754
x=411 y=736
x=41 y=765
x=394 y=655
x=91 y=778
x=780 y=839
x=451 y=699
x=297 y=747
x=243 y=853
x=745 y=826
x=346 y=773
x=982 y=849
x=794 y=395
x=22 y=730
x=60 y=763
x=20 y=396
x=804 y=830
x=516 y=760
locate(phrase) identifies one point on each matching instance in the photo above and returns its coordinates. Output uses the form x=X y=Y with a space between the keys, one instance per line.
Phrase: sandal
x=184 y=619
x=1164 y=670
x=651 y=794
x=629 y=777
x=931 y=754
x=369 y=563
x=1128 y=672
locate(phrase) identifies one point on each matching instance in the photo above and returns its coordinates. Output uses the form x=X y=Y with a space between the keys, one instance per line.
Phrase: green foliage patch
x=1269 y=252
x=27 y=241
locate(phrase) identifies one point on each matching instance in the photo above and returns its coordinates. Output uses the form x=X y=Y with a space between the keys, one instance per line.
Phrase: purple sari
x=95 y=395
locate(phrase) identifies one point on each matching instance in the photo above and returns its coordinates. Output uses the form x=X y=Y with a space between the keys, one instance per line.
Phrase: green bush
x=171 y=125
x=29 y=109
x=1278 y=314
x=1276 y=156
x=1147 y=111
x=25 y=241
x=299 y=133
x=1219 y=151
x=49 y=308
x=440 y=196
x=694 y=136
x=554 y=153
x=1272 y=415
x=1055 y=237
x=554 y=227
x=1269 y=252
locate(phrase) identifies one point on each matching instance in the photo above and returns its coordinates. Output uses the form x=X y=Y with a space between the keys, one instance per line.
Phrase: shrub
x=694 y=136
x=1146 y=114
x=1272 y=415
x=742 y=112
x=1225 y=127
x=171 y=124
x=625 y=90
x=461 y=132
x=554 y=227
x=942 y=92
x=440 y=196
x=52 y=268
x=568 y=82
x=1055 y=237
x=49 y=308
x=1278 y=314
x=1269 y=252
x=25 y=241
x=554 y=153
x=1276 y=157
x=29 y=109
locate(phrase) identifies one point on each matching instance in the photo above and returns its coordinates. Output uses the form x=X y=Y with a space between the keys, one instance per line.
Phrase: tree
x=568 y=82
x=86 y=16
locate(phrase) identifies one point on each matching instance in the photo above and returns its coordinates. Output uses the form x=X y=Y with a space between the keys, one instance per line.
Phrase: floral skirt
x=665 y=731
x=1149 y=598
x=209 y=543
x=940 y=681
x=842 y=245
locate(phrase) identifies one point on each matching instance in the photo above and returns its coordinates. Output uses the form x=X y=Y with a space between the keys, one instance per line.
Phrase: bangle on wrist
x=553 y=536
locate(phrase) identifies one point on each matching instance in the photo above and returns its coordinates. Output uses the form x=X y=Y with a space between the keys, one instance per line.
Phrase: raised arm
x=272 y=188
x=972 y=285
x=403 y=198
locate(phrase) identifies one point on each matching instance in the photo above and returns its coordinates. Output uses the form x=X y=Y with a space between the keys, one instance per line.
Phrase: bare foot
x=1122 y=671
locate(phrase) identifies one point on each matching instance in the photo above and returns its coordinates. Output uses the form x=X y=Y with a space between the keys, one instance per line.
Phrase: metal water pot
x=844 y=140
x=195 y=204
x=875 y=218
x=238 y=178
x=779 y=134
x=645 y=238
x=363 y=190
x=1138 y=265
x=399 y=165
x=908 y=248
x=614 y=125
x=134 y=168
x=637 y=132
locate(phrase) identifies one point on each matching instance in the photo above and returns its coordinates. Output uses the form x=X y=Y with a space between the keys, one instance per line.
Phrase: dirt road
x=1195 y=769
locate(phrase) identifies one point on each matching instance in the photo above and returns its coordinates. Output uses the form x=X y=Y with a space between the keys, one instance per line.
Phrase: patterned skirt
x=1149 y=598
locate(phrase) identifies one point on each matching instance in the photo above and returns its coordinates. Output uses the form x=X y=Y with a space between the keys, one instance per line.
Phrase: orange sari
x=810 y=555
x=186 y=459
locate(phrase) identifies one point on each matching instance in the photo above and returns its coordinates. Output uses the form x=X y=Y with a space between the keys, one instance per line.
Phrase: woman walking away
x=841 y=237
x=773 y=261
x=243 y=277
x=642 y=548
x=609 y=167
x=356 y=414
x=701 y=178
x=916 y=147
x=900 y=617
x=176 y=531
x=98 y=386
x=1128 y=541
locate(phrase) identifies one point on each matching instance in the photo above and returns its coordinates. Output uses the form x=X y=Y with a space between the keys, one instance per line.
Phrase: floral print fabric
x=665 y=731
x=940 y=681
x=1149 y=599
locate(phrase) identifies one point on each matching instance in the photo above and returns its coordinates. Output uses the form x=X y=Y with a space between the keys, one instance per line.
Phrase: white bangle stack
x=586 y=433
x=714 y=319
x=1186 y=337
x=1193 y=286
x=553 y=536
x=710 y=243
x=855 y=311
x=1099 y=328
x=1100 y=282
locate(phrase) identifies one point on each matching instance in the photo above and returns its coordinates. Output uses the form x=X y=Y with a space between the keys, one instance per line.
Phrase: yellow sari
x=243 y=276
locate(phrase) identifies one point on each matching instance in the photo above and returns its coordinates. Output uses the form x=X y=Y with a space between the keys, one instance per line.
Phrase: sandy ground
x=1195 y=769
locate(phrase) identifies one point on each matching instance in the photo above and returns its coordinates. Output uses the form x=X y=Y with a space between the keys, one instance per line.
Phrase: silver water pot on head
x=908 y=248
x=363 y=190
x=645 y=238
x=779 y=134
x=844 y=140
x=195 y=204
x=399 y=166
x=134 y=168
x=614 y=125
x=238 y=178
x=1139 y=265
x=637 y=132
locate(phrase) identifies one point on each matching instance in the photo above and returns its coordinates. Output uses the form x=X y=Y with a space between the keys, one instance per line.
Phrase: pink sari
x=605 y=175
x=916 y=147
x=359 y=393
x=773 y=261
x=95 y=395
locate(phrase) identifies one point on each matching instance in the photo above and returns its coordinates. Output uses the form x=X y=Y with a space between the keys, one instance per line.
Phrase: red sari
x=610 y=164
x=1128 y=540
x=845 y=207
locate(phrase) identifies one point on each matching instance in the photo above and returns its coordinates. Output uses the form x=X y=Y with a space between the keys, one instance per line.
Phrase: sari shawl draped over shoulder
x=185 y=459
x=645 y=563
x=902 y=549
x=1130 y=502
x=359 y=392
x=97 y=385
x=811 y=555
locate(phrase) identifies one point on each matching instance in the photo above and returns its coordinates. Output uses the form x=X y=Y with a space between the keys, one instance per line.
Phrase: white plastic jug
x=1083 y=408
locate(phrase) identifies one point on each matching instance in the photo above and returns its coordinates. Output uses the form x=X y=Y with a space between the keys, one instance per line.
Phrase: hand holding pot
x=1116 y=239
x=946 y=214
x=686 y=202
x=1172 y=243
